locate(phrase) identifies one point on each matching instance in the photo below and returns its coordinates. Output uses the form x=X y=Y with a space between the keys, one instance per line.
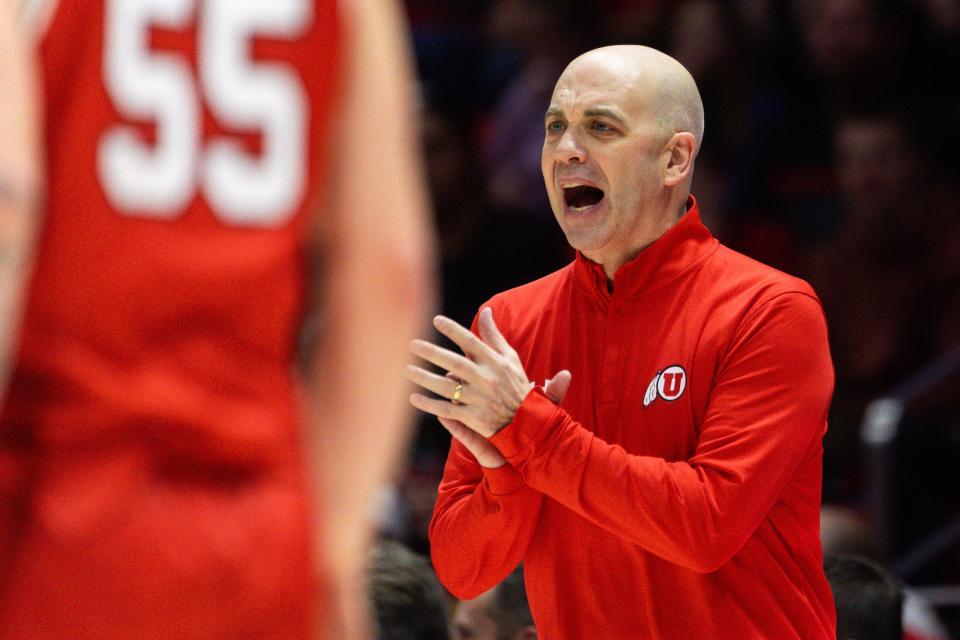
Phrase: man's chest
x=642 y=373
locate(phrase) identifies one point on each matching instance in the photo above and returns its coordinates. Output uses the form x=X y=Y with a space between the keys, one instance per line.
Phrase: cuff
x=535 y=414
x=503 y=480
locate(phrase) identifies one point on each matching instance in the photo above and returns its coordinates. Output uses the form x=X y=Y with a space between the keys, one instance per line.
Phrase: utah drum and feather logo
x=669 y=384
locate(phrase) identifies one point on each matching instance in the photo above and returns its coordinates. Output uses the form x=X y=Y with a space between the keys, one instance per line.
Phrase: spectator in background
x=843 y=533
x=887 y=264
x=512 y=148
x=502 y=613
x=703 y=37
x=841 y=56
x=868 y=599
x=407 y=600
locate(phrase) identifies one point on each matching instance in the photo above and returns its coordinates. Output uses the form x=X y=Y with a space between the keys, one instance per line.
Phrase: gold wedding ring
x=457 y=392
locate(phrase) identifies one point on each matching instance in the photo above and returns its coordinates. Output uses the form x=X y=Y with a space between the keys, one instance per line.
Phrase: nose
x=568 y=149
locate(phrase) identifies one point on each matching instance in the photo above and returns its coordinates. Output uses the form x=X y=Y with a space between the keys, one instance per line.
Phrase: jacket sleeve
x=481 y=525
x=767 y=411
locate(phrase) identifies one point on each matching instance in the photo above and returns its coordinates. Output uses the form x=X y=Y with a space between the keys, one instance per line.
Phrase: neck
x=661 y=222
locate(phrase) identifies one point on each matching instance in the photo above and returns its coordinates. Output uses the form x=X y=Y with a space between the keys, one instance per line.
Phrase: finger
x=484 y=452
x=463 y=338
x=455 y=363
x=445 y=386
x=464 y=436
x=491 y=334
x=439 y=408
x=556 y=388
x=467 y=437
x=458 y=382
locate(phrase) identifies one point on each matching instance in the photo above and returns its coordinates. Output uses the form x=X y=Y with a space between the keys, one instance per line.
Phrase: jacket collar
x=683 y=246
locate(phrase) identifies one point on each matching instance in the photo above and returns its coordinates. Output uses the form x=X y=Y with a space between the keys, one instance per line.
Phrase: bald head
x=620 y=138
x=652 y=78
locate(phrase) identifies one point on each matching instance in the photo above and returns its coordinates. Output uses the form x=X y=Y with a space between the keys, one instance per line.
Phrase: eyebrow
x=592 y=112
x=553 y=111
x=604 y=112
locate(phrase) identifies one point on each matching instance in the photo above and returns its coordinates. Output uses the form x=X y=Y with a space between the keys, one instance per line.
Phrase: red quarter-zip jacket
x=675 y=493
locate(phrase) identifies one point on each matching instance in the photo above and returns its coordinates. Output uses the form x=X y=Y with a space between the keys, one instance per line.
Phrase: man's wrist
x=503 y=480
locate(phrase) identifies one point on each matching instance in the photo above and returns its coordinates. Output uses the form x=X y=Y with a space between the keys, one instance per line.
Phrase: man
x=868 y=599
x=664 y=482
x=502 y=613
x=406 y=598
x=213 y=172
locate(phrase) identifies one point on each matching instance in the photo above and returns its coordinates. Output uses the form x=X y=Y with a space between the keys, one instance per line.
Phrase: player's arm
x=375 y=285
x=19 y=177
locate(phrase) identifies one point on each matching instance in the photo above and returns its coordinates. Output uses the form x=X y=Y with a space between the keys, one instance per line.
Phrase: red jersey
x=183 y=147
x=676 y=491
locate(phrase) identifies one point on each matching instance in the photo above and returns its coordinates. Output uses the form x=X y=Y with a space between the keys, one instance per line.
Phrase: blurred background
x=830 y=152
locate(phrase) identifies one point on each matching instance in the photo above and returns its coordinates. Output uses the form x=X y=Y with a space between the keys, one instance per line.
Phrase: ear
x=681 y=149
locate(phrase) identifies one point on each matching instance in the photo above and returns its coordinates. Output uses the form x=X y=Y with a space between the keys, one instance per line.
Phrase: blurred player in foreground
x=217 y=172
x=643 y=427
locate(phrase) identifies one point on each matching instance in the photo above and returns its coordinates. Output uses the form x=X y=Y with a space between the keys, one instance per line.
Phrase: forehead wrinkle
x=584 y=96
x=616 y=96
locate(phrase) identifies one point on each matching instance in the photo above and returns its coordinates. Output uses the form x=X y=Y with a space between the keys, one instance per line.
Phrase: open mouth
x=582 y=196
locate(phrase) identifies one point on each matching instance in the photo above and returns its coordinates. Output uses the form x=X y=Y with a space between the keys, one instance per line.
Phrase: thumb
x=556 y=387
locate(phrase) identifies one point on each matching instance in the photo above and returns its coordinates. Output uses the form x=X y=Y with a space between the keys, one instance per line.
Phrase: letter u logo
x=672 y=382
x=671 y=385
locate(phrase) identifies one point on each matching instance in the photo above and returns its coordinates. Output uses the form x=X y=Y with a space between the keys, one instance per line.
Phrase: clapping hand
x=483 y=388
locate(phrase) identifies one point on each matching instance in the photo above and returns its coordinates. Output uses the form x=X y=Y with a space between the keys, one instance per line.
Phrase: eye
x=602 y=127
x=555 y=126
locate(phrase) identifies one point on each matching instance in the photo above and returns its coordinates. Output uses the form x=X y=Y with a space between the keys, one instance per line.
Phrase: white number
x=268 y=97
x=159 y=180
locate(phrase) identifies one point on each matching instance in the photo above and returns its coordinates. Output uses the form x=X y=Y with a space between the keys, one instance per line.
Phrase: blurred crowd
x=830 y=152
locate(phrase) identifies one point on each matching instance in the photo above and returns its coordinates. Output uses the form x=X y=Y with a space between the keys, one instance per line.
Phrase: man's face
x=472 y=621
x=601 y=157
x=876 y=164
